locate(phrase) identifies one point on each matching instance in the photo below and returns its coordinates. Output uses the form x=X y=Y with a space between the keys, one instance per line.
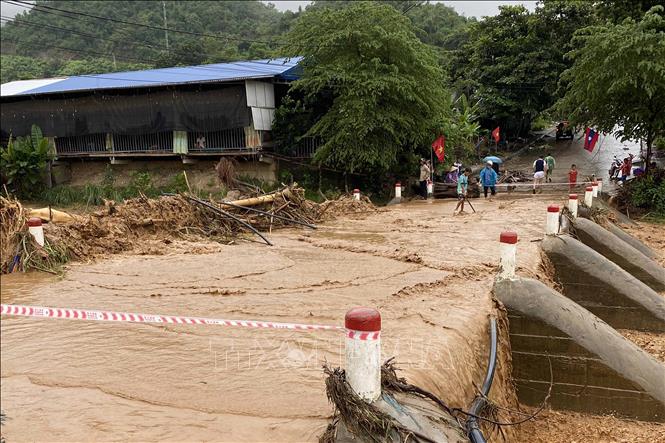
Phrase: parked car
x=564 y=130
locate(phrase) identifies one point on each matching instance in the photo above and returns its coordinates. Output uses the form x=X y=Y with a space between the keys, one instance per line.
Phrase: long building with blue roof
x=213 y=109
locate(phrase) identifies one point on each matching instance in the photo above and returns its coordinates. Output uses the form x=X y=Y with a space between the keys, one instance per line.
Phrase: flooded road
x=428 y=273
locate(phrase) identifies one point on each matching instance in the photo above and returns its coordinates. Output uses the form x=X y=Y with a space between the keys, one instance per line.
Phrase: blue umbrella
x=493 y=159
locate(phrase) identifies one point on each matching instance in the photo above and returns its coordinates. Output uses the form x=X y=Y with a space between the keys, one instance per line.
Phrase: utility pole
x=166 y=28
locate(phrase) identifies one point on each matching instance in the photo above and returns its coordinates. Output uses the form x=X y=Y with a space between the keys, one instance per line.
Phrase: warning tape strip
x=544 y=184
x=91 y=315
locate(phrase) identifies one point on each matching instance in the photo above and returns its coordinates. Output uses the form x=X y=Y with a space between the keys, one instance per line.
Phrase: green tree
x=96 y=66
x=617 y=81
x=23 y=162
x=509 y=70
x=17 y=67
x=387 y=88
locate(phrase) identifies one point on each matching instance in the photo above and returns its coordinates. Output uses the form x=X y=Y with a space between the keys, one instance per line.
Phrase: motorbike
x=615 y=168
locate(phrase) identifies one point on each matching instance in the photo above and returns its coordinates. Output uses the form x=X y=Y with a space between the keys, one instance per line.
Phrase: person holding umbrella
x=488 y=178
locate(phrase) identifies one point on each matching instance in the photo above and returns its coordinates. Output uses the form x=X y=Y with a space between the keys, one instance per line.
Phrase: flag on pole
x=590 y=139
x=496 y=134
x=439 y=146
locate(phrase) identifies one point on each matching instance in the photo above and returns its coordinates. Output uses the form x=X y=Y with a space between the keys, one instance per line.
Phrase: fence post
x=552 y=225
x=363 y=352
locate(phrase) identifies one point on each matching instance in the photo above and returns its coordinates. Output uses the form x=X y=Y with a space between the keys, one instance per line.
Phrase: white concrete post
x=36 y=229
x=552 y=225
x=398 y=190
x=594 y=189
x=588 y=196
x=508 y=247
x=572 y=204
x=600 y=185
x=430 y=188
x=363 y=352
x=356 y=194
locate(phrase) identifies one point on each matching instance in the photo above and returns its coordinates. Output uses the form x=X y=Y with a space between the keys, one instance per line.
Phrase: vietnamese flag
x=439 y=146
x=590 y=139
x=496 y=135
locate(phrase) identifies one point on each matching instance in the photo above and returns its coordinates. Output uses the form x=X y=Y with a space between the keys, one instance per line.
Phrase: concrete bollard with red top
x=508 y=251
x=552 y=225
x=363 y=352
x=398 y=191
x=430 y=188
x=572 y=204
x=600 y=185
x=594 y=189
x=36 y=229
x=588 y=196
x=356 y=194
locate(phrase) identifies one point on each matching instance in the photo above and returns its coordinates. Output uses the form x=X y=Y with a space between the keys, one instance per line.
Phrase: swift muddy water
x=428 y=273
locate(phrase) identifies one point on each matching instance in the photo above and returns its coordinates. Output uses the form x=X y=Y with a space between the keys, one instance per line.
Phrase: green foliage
x=23 y=163
x=386 y=85
x=17 y=67
x=617 y=81
x=461 y=128
x=96 y=66
x=241 y=27
x=648 y=192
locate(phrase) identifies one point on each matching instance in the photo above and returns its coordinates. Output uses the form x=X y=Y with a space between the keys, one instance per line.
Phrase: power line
x=44 y=8
x=244 y=68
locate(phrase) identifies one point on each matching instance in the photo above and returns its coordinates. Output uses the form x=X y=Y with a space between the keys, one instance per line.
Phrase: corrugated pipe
x=474 y=433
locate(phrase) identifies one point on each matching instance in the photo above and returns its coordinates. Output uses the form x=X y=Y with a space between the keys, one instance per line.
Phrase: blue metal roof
x=283 y=68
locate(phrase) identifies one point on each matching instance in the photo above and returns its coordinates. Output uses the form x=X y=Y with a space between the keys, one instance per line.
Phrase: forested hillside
x=66 y=37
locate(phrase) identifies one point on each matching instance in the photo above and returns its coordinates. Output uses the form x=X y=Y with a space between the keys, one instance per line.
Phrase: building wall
x=201 y=174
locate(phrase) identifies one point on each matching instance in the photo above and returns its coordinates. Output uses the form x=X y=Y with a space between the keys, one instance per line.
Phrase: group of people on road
x=543 y=168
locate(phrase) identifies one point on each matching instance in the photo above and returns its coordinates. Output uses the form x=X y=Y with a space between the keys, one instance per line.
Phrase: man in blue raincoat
x=488 y=178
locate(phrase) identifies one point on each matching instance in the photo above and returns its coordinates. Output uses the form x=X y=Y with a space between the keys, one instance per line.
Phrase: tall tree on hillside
x=509 y=68
x=386 y=85
x=617 y=81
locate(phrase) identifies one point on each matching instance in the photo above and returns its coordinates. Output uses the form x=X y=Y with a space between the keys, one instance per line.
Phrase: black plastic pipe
x=474 y=433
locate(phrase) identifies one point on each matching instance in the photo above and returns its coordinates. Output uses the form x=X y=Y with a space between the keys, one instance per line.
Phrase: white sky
x=467 y=8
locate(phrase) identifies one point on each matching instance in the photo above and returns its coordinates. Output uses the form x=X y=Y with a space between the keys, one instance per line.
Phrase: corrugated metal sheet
x=281 y=67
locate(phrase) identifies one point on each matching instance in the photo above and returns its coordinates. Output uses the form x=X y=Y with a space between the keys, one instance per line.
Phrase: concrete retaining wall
x=603 y=287
x=621 y=253
x=595 y=369
x=635 y=243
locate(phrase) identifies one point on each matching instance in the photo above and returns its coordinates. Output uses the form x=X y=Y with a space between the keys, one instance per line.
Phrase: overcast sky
x=467 y=8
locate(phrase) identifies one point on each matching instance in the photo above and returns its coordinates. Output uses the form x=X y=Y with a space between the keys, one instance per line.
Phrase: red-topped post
x=552 y=225
x=363 y=352
x=508 y=252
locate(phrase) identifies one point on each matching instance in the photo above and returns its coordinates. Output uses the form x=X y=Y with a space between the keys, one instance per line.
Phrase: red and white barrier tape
x=90 y=315
x=530 y=184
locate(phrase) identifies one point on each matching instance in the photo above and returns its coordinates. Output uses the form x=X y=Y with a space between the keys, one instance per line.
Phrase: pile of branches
x=19 y=251
x=124 y=227
x=515 y=177
x=345 y=205
x=12 y=225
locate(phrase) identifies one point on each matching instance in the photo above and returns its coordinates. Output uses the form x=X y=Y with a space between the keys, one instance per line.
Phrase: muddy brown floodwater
x=429 y=273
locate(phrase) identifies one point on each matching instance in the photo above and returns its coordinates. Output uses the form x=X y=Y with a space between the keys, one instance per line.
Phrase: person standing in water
x=539 y=167
x=551 y=163
x=488 y=178
x=462 y=189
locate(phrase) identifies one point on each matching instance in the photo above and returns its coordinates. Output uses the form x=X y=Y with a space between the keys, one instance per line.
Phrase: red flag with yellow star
x=439 y=146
